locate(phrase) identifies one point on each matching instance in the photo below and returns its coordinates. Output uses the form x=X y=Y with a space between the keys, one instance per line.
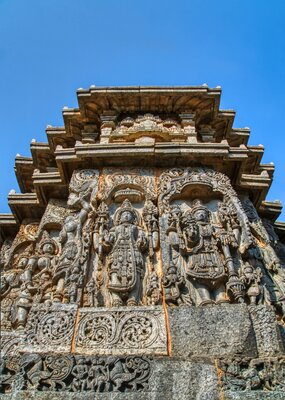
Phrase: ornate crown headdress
x=126 y=206
x=197 y=206
x=46 y=239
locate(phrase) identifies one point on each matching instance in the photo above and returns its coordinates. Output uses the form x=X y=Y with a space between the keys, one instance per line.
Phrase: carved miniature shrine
x=141 y=259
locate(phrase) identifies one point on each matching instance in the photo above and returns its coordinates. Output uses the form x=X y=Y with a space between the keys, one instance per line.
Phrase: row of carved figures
x=184 y=250
x=116 y=374
x=200 y=259
x=74 y=373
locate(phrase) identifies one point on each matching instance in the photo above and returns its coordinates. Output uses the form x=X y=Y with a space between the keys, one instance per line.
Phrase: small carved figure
x=173 y=282
x=101 y=229
x=153 y=289
x=120 y=374
x=252 y=377
x=229 y=219
x=272 y=274
x=150 y=216
x=251 y=278
x=12 y=279
x=27 y=290
x=232 y=375
x=174 y=217
x=92 y=293
x=33 y=367
x=80 y=373
x=23 y=304
x=72 y=282
x=98 y=376
x=28 y=265
x=68 y=239
x=46 y=264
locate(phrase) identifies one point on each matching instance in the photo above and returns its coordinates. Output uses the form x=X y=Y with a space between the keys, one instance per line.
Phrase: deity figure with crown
x=205 y=265
x=126 y=243
x=46 y=263
x=201 y=252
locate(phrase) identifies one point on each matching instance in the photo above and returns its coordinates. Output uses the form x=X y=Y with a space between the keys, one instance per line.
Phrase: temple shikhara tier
x=141 y=259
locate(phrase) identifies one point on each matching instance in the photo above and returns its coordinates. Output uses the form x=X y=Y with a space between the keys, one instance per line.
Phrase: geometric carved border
x=121 y=330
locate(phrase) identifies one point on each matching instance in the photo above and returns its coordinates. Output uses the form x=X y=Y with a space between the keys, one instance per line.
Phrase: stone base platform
x=229 y=352
x=161 y=378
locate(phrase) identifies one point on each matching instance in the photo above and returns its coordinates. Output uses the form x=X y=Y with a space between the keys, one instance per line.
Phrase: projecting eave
x=239 y=136
x=73 y=122
x=8 y=226
x=96 y=100
x=279 y=228
x=24 y=168
x=42 y=155
x=270 y=209
x=25 y=205
x=55 y=136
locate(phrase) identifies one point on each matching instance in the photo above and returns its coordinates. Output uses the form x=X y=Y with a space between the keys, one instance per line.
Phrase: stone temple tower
x=141 y=259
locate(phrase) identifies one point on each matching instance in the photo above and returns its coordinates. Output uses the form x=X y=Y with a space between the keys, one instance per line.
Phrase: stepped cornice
x=205 y=136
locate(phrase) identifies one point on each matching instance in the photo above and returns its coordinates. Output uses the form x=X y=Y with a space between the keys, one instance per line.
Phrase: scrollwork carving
x=50 y=327
x=137 y=183
x=134 y=332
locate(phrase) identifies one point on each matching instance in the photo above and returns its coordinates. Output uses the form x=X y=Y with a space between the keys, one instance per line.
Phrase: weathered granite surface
x=267 y=333
x=212 y=331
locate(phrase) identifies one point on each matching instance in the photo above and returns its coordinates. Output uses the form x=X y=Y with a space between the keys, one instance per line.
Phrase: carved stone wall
x=156 y=282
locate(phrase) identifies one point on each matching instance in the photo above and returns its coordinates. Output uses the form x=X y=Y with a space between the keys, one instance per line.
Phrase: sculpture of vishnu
x=125 y=242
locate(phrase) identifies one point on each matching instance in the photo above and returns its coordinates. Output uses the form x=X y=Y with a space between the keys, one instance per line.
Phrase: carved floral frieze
x=50 y=328
x=124 y=330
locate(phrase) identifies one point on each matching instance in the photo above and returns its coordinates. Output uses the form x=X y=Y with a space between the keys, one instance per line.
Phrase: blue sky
x=49 y=48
